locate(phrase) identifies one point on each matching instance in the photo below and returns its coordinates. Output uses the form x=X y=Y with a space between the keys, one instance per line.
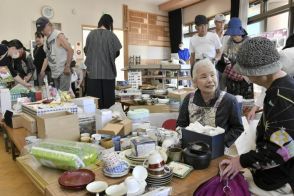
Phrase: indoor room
x=147 y=97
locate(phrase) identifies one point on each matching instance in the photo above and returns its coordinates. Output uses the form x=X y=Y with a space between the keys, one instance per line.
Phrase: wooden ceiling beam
x=176 y=4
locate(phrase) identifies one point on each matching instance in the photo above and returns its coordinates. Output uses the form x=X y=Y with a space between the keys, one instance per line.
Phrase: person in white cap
x=220 y=21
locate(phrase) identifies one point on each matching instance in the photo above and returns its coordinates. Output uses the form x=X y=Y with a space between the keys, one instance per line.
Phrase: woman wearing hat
x=287 y=60
x=10 y=50
x=209 y=105
x=236 y=84
x=272 y=163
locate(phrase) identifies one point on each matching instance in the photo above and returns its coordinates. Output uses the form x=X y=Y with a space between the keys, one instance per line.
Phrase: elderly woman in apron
x=211 y=106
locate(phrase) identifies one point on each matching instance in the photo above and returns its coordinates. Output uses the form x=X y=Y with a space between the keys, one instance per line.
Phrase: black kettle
x=197 y=154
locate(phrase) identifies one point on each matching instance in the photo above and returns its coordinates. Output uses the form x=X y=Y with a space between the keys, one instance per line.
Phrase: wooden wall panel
x=147 y=29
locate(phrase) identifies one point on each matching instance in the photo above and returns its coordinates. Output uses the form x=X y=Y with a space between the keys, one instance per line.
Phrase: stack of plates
x=134 y=161
x=159 y=180
x=116 y=175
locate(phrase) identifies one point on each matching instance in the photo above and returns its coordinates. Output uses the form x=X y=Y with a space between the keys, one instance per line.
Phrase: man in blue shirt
x=184 y=53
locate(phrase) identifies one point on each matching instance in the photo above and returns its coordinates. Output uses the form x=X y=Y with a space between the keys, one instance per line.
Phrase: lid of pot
x=199 y=147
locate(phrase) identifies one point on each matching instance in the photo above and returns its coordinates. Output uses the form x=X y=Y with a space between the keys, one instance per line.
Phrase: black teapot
x=197 y=154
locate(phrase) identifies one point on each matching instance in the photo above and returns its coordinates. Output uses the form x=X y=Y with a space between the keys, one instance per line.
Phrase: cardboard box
x=16 y=121
x=179 y=95
x=121 y=128
x=216 y=142
x=29 y=123
x=96 y=101
x=59 y=125
x=160 y=108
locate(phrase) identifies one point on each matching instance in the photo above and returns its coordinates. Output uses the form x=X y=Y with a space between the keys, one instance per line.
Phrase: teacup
x=174 y=154
x=121 y=167
x=96 y=138
x=132 y=184
x=111 y=160
x=155 y=163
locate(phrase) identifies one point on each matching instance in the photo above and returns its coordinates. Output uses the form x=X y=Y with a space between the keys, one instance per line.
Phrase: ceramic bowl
x=140 y=172
x=85 y=134
x=85 y=139
x=163 y=101
x=97 y=187
x=116 y=190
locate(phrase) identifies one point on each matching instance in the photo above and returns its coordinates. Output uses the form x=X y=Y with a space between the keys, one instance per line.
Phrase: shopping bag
x=237 y=186
x=247 y=140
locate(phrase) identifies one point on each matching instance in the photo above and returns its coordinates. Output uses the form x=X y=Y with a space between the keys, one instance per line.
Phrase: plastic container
x=139 y=115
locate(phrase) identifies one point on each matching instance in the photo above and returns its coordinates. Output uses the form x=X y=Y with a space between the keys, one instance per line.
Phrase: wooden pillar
x=126 y=42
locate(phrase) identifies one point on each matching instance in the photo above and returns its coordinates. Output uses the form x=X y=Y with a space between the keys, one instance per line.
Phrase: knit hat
x=257 y=57
x=235 y=27
x=41 y=23
x=200 y=20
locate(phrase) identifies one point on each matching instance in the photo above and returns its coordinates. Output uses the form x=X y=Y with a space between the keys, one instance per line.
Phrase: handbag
x=221 y=64
x=232 y=73
x=237 y=186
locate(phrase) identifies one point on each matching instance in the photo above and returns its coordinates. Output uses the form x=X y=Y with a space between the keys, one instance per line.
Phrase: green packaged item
x=66 y=155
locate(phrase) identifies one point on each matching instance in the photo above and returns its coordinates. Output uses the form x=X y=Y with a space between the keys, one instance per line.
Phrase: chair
x=170 y=124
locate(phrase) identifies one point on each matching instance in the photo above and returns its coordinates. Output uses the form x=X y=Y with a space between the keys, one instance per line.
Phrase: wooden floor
x=13 y=182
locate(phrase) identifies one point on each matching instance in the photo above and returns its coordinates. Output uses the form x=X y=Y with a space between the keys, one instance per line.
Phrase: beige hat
x=220 y=18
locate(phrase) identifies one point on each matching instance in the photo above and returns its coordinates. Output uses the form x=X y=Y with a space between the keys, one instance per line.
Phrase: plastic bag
x=64 y=155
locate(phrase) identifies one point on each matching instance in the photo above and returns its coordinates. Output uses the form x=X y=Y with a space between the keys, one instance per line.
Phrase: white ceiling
x=156 y=2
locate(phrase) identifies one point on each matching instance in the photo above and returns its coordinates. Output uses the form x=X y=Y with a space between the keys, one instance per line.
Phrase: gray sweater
x=101 y=50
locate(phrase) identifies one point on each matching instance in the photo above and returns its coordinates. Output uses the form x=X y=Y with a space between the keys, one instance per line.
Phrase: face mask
x=15 y=55
x=181 y=48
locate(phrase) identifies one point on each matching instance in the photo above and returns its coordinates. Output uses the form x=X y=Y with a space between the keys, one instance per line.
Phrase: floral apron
x=204 y=115
x=207 y=116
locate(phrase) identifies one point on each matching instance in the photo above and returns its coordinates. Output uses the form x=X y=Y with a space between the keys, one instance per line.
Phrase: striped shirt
x=101 y=48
